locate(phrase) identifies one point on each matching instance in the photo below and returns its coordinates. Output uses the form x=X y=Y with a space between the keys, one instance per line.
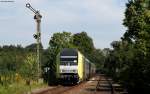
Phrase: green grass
x=19 y=88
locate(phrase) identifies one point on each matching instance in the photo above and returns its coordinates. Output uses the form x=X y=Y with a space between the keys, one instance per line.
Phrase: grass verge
x=20 y=88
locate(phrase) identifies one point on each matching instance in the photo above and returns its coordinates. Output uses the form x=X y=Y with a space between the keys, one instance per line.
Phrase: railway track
x=59 y=89
x=100 y=84
x=55 y=90
x=106 y=85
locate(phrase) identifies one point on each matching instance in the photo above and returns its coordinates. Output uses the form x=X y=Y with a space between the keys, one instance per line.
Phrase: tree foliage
x=10 y=61
x=13 y=63
x=129 y=60
x=62 y=40
x=16 y=60
x=83 y=42
x=29 y=68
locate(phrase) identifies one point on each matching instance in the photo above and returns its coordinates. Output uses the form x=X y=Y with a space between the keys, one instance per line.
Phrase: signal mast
x=37 y=36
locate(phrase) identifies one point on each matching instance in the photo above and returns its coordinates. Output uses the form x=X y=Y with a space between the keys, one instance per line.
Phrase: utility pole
x=37 y=36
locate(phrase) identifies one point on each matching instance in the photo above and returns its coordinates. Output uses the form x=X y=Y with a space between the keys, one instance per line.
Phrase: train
x=73 y=67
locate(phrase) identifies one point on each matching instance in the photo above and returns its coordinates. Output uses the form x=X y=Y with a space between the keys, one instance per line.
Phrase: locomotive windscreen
x=69 y=52
x=69 y=55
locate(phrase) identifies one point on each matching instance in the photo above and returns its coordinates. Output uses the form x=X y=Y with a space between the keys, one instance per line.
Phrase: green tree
x=29 y=69
x=57 y=42
x=83 y=42
x=97 y=57
x=33 y=47
x=61 y=40
x=129 y=59
x=10 y=61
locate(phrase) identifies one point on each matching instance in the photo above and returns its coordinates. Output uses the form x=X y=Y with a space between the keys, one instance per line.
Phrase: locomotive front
x=68 y=67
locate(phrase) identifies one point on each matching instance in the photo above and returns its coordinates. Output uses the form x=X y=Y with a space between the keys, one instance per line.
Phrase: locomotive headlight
x=74 y=71
x=62 y=71
x=75 y=61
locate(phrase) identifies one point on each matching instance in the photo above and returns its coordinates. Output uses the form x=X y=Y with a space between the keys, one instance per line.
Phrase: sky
x=101 y=19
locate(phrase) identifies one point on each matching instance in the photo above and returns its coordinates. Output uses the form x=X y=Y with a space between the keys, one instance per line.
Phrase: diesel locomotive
x=73 y=66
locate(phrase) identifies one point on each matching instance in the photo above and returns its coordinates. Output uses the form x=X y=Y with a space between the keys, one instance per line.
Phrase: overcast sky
x=101 y=19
